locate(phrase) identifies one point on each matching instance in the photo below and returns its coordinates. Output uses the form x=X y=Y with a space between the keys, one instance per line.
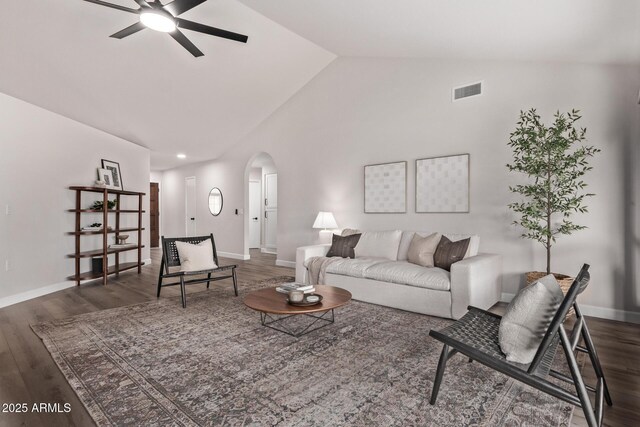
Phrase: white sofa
x=392 y=281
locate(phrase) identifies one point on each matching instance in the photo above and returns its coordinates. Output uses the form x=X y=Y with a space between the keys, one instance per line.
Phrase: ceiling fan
x=164 y=18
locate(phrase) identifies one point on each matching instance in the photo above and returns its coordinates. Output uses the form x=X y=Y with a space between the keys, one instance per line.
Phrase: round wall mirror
x=215 y=201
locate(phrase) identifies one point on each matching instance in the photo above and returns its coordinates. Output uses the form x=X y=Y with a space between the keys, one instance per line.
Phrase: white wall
x=41 y=155
x=362 y=111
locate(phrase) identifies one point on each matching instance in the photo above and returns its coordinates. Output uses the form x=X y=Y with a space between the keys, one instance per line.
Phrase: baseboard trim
x=45 y=290
x=35 y=293
x=595 y=311
x=233 y=255
x=283 y=263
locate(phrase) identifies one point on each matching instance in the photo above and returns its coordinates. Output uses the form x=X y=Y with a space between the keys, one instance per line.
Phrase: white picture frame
x=385 y=188
x=442 y=184
x=106 y=175
x=114 y=167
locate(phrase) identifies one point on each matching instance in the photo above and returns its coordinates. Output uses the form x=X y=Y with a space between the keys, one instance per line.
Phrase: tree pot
x=564 y=281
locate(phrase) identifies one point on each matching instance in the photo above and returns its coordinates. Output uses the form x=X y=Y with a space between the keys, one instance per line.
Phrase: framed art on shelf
x=442 y=184
x=106 y=176
x=114 y=167
x=385 y=188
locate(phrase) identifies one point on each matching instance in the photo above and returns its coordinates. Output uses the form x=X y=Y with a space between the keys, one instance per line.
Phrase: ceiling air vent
x=466 y=91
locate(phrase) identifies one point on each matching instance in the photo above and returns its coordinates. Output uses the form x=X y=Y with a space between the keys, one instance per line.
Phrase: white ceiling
x=598 y=31
x=146 y=88
x=149 y=90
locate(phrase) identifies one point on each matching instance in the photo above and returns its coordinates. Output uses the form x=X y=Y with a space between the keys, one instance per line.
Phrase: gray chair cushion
x=527 y=318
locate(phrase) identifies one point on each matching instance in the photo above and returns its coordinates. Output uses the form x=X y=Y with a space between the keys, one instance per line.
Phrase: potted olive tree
x=555 y=161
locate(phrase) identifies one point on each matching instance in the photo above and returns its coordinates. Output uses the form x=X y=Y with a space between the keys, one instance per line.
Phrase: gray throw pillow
x=527 y=319
x=422 y=249
x=343 y=246
x=449 y=252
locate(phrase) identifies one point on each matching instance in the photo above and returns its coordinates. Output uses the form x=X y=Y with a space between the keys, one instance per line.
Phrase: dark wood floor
x=29 y=375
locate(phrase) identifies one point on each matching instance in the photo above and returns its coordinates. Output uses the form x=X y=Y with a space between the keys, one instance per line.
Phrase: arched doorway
x=261 y=205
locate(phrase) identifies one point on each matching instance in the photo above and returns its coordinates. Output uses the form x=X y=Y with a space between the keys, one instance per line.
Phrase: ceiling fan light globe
x=158 y=22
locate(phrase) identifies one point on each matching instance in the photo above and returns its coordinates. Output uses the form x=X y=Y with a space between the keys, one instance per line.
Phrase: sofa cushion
x=379 y=244
x=343 y=246
x=407 y=236
x=422 y=249
x=527 y=318
x=353 y=267
x=449 y=252
x=405 y=273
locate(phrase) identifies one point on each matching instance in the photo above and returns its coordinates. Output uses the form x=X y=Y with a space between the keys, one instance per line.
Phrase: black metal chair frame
x=536 y=372
x=170 y=258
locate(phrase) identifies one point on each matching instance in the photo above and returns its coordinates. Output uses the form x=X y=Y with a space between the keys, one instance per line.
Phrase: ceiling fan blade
x=186 y=43
x=201 y=28
x=114 y=6
x=129 y=30
x=177 y=7
x=142 y=3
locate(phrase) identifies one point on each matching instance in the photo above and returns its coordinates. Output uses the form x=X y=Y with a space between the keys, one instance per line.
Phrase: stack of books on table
x=285 y=288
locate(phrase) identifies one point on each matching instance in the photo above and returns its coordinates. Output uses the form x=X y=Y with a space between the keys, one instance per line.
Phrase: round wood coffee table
x=274 y=308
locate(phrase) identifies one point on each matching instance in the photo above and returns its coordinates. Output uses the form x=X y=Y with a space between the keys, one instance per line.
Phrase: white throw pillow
x=527 y=319
x=422 y=249
x=379 y=244
x=196 y=257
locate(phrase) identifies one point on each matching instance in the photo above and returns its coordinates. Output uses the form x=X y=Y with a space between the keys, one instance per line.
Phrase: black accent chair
x=170 y=258
x=475 y=335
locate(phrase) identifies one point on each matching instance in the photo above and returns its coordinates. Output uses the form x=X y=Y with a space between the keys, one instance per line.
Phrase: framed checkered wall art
x=442 y=184
x=385 y=188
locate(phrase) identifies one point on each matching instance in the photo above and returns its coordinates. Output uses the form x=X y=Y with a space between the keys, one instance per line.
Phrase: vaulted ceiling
x=593 y=31
x=147 y=89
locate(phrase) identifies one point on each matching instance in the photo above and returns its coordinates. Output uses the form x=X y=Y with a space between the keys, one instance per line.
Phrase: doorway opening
x=261 y=205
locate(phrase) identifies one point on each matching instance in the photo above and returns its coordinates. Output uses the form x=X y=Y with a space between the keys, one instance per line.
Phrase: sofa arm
x=303 y=253
x=475 y=281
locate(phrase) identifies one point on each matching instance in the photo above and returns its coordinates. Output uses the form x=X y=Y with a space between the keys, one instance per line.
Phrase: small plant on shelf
x=98 y=204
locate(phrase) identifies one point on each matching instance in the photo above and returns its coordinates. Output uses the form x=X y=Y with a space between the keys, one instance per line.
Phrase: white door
x=190 y=205
x=255 y=197
x=271 y=211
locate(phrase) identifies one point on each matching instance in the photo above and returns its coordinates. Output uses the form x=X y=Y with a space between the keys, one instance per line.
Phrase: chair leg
x=439 y=374
x=209 y=281
x=595 y=362
x=578 y=382
x=183 y=292
x=235 y=281
x=160 y=278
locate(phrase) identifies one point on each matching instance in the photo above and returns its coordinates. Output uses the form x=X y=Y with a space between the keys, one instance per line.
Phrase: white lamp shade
x=325 y=220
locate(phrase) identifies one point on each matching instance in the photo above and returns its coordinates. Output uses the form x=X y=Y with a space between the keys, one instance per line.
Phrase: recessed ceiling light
x=158 y=20
x=181 y=156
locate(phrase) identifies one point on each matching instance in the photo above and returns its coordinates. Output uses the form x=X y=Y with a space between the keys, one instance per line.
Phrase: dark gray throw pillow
x=343 y=246
x=449 y=252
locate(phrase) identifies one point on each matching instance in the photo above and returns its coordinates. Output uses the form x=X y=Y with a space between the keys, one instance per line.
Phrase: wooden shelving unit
x=105 y=251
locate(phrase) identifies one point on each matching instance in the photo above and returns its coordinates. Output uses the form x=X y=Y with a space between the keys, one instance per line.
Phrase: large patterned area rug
x=213 y=364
